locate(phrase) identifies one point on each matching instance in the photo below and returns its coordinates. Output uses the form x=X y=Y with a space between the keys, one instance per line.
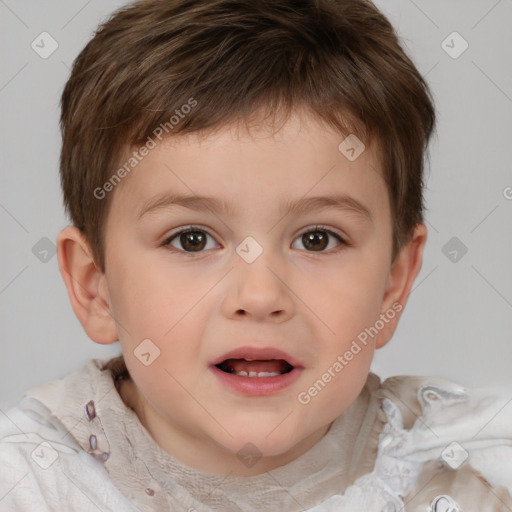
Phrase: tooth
x=243 y=373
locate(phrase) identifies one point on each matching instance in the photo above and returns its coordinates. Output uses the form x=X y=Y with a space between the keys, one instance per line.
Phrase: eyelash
x=186 y=229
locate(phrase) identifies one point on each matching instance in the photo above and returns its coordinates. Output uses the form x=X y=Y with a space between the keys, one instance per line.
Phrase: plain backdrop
x=458 y=321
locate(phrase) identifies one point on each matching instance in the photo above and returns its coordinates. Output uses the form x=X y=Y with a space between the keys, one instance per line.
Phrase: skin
x=196 y=306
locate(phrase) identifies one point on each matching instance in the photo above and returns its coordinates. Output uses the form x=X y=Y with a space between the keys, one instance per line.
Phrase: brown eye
x=318 y=240
x=191 y=240
x=315 y=240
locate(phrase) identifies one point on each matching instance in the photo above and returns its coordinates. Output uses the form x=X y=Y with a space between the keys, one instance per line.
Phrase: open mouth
x=255 y=367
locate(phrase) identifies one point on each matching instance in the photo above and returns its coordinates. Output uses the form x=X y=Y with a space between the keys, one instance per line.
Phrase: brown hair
x=340 y=59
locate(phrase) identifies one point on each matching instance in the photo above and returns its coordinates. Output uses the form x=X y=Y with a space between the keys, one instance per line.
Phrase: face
x=256 y=253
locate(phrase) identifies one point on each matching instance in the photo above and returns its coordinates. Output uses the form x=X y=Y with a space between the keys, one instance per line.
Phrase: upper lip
x=260 y=353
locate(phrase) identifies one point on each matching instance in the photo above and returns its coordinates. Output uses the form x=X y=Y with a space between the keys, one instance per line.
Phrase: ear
x=86 y=285
x=404 y=270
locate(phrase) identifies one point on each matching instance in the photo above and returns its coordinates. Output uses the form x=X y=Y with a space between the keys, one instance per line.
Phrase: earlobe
x=403 y=272
x=86 y=286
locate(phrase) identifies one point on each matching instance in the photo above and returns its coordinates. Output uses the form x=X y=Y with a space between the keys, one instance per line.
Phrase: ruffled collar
x=371 y=459
x=89 y=406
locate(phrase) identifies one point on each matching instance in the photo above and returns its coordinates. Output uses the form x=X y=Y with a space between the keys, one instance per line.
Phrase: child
x=245 y=185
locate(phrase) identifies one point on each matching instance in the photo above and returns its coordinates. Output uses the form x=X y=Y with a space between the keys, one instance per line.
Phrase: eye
x=319 y=240
x=191 y=239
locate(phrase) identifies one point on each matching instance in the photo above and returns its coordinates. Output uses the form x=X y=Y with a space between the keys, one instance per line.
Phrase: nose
x=259 y=292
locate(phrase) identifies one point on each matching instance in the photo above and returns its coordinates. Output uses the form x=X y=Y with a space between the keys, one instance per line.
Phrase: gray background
x=458 y=322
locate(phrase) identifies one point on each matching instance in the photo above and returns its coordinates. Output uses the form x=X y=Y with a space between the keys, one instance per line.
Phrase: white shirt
x=72 y=444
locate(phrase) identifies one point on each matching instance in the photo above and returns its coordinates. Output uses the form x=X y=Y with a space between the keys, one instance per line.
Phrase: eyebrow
x=199 y=203
x=341 y=202
x=303 y=205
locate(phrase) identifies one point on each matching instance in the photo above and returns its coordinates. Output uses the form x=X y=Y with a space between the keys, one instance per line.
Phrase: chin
x=262 y=442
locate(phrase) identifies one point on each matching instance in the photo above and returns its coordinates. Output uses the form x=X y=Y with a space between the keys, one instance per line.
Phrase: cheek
x=335 y=385
x=151 y=299
x=345 y=298
x=162 y=304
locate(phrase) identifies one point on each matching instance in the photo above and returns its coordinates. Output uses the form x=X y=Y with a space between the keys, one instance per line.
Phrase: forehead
x=239 y=166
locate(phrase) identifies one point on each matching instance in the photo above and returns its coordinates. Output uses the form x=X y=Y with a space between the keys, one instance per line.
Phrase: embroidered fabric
x=456 y=426
x=89 y=411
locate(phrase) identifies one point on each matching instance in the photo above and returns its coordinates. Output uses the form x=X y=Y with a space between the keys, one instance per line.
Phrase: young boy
x=245 y=185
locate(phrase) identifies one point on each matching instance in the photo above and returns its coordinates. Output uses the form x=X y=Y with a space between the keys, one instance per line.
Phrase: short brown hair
x=340 y=59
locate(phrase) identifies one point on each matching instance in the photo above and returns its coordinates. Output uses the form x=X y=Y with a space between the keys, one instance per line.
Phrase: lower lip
x=257 y=385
